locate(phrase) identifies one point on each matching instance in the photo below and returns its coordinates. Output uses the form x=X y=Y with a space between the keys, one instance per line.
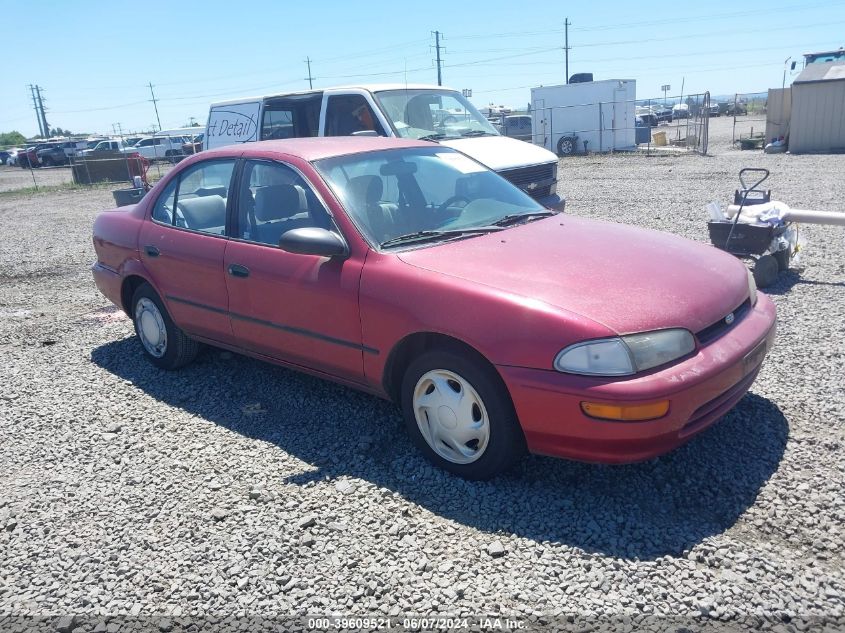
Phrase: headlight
x=625 y=355
x=752 y=288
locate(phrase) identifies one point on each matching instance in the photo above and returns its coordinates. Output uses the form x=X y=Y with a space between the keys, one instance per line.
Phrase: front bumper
x=700 y=389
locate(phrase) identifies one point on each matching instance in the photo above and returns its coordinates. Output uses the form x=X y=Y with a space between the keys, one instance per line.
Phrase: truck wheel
x=765 y=271
x=782 y=258
x=566 y=146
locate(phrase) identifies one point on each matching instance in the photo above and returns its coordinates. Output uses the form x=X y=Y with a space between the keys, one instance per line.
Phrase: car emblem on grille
x=532 y=186
x=729 y=319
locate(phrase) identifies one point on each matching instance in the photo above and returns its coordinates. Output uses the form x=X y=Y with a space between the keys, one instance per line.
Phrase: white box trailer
x=598 y=112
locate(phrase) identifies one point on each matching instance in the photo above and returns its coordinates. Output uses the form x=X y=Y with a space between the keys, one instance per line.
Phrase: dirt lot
x=234 y=488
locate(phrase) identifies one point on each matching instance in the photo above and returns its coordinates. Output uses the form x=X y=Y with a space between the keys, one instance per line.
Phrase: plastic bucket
x=659 y=138
x=124 y=197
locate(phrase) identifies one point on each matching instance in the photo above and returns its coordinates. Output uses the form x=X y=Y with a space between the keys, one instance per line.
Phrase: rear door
x=183 y=244
x=301 y=309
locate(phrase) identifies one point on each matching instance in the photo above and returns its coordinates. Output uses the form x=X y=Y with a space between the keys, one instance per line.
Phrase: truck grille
x=537 y=181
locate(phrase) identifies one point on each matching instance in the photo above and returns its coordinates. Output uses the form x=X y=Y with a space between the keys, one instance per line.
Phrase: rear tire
x=165 y=344
x=458 y=412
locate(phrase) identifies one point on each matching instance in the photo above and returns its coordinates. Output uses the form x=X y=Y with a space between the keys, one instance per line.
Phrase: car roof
x=317 y=148
x=368 y=87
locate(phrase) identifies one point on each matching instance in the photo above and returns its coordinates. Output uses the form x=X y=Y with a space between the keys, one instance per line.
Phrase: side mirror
x=314 y=241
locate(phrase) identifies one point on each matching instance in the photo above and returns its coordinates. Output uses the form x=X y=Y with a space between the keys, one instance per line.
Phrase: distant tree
x=12 y=138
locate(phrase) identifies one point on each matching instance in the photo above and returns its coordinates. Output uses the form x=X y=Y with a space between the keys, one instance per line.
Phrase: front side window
x=274 y=199
x=401 y=192
x=147 y=142
x=433 y=114
x=348 y=114
x=197 y=198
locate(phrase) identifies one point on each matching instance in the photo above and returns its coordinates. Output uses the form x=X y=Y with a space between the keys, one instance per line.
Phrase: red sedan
x=410 y=271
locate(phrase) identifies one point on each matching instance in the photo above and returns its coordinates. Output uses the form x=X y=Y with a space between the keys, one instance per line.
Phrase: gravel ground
x=12 y=178
x=234 y=488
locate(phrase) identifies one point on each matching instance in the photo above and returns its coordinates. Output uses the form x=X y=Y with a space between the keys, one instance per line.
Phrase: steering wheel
x=450 y=201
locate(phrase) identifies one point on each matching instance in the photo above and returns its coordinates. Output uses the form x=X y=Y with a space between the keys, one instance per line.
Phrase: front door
x=301 y=309
x=183 y=247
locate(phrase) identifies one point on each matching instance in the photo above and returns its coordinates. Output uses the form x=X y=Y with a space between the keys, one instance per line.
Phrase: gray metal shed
x=817 y=123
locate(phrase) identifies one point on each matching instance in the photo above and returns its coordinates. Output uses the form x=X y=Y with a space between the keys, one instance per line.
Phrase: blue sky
x=94 y=59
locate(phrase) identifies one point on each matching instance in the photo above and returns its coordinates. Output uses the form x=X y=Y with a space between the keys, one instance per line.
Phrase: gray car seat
x=203 y=214
x=278 y=209
x=365 y=193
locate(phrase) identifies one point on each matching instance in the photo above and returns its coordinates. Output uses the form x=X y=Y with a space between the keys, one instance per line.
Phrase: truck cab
x=431 y=113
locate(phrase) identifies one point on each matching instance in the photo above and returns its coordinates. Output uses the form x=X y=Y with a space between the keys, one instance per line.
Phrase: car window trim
x=230 y=230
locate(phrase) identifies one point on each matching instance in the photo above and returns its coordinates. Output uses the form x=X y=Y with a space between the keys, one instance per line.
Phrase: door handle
x=152 y=251
x=236 y=270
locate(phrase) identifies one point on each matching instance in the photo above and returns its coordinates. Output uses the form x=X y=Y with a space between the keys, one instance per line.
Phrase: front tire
x=459 y=413
x=165 y=345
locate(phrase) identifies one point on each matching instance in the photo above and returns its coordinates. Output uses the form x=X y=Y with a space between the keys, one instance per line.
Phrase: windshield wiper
x=434 y=235
x=477 y=133
x=513 y=218
x=432 y=137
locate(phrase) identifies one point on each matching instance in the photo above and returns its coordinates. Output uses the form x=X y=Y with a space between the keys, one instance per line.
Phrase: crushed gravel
x=234 y=492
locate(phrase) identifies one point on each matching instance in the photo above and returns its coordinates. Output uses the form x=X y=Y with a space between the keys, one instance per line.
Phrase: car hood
x=626 y=278
x=501 y=152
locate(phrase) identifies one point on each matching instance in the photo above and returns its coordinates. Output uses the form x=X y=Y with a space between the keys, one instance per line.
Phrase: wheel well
x=406 y=350
x=130 y=285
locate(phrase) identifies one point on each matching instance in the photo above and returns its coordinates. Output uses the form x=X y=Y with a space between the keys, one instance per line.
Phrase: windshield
x=435 y=190
x=432 y=114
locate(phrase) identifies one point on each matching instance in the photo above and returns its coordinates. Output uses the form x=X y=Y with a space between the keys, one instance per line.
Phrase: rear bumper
x=700 y=391
x=109 y=282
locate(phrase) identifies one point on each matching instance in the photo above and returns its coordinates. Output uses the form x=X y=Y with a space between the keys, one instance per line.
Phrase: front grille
x=714 y=331
x=537 y=180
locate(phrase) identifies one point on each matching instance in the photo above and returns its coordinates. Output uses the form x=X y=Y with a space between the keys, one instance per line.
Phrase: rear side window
x=197 y=198
x=278 y=124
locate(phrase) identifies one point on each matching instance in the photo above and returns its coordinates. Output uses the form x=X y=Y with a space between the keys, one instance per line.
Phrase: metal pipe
x=806 y=216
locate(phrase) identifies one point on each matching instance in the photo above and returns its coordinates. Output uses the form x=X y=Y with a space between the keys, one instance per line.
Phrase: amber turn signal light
x=626 y=413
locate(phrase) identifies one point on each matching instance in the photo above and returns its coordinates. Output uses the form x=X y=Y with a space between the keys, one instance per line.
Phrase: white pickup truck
x=158 y=148
x=406 y=111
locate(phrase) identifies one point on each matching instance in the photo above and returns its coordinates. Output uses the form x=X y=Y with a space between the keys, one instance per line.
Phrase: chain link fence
x=748 y=111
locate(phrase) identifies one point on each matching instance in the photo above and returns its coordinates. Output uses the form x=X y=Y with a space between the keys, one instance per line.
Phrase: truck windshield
x=432 y=114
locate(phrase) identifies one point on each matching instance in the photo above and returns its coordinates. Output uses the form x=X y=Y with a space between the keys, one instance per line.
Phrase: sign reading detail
x=233 y=124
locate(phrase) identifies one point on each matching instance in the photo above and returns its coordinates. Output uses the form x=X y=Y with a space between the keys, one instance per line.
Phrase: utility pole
x=37 y=111
x=437 y=45
x=309 y=77
x=38 y=90
x=566 y=46
x=155 y=106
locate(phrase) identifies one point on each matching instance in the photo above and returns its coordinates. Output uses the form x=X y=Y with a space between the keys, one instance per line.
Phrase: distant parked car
x=663 y=113
x=159 y=148
x=194 y=146
x=680 y=111
x=12 y=158
x=715 y=110
x=647 y=115
x=108 y=145
x=29 y=157
x=4 y=156
x=736 y=109
x=52 y=155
